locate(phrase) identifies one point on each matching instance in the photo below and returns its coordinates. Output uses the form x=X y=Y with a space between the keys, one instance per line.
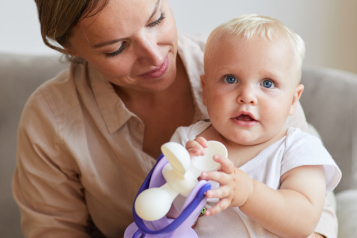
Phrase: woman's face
x=132 y=43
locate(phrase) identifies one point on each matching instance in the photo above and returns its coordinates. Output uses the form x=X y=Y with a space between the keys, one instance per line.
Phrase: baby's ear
x=296 y=97
x=203 y=79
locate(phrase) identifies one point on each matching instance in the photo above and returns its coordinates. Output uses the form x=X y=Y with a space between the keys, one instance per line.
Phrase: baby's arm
x=292 y=211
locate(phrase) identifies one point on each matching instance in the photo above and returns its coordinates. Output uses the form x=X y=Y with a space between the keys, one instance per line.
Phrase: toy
x=173 y=174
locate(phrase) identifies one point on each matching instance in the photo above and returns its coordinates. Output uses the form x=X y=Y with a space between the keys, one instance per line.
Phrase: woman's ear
x=298 y=91
x=203 y=79
x=71 y=52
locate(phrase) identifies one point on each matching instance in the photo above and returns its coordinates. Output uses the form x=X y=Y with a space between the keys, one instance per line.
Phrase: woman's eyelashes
x=124 y=44
x=121 y=48
x=229 y=79
x=158 y=21
x=268 y=83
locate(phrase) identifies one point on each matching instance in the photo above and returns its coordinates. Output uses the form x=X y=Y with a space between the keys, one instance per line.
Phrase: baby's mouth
x=245 y=120
x=244 y=117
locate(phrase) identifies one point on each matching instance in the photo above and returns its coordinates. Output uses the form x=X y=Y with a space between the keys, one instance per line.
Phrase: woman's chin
x=161 y=83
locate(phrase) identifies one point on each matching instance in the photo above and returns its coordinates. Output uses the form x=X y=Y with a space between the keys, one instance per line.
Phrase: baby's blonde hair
x=256 y=25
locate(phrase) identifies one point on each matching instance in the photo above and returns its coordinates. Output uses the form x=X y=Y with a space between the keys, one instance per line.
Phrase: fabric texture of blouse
x=80 y=151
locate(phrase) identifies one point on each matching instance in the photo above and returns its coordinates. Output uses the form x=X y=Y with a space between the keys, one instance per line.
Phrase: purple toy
x=155 y=181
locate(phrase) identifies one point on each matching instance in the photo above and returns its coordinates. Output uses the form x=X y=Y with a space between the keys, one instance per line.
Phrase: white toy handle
x=206 y=162
x=178 y=157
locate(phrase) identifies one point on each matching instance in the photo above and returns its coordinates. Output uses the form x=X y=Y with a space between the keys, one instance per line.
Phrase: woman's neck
x=162 y=112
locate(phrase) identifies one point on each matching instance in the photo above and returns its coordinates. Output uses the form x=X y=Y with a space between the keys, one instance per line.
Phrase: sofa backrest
x=19 y=77
x=330 y=105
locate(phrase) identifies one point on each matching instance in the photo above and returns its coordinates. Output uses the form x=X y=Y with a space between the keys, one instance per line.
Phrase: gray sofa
x=329 y=101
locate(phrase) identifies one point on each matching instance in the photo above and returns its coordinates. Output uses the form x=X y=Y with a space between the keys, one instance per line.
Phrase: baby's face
x=250 y=87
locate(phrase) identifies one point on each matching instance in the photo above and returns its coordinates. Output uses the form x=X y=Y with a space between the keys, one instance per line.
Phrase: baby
x=275 y=180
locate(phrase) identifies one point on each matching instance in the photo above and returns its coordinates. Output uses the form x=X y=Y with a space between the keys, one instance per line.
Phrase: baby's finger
x=194 y=152
x=202 y=141
x=194 y=148
x=221 y=192
x=220 y=177
x=227 y=166
x=220 y=206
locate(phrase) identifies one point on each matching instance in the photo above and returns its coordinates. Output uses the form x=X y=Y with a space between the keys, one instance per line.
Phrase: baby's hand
x=235 y=186
x=196 y=147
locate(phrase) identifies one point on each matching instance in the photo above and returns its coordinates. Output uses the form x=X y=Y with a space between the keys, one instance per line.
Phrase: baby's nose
x=247 y=96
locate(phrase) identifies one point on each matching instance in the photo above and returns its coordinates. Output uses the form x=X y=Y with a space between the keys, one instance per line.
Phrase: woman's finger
x=220 y=177
x=227 y=166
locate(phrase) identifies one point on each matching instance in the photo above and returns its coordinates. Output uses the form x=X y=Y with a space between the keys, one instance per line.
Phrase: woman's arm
x=45 y=185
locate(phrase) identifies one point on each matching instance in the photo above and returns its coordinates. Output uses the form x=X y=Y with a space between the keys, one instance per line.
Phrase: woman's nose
x=148 y=51
x=247 y=96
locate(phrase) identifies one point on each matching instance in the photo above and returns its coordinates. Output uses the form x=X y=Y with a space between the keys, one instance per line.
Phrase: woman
x=88 y=138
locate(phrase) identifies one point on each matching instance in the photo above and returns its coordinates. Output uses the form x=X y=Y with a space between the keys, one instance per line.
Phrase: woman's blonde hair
x=59 y=17
x=256 y=25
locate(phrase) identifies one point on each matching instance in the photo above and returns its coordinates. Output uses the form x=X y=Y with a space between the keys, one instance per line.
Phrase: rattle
x=173 y=174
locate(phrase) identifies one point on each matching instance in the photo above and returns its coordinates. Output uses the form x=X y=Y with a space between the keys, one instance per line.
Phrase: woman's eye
x=230 y=79
x=268 y=84
x=158 y=21
x=121 y=48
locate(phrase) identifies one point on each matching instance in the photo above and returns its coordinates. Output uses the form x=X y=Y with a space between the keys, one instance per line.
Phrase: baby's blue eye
x=268 y=84
x=230 y=79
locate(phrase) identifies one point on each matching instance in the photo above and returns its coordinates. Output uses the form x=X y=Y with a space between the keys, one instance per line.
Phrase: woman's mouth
x=159 y=71
x=244 y=120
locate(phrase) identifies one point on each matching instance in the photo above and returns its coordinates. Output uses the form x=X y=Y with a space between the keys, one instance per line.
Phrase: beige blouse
x=80 y=152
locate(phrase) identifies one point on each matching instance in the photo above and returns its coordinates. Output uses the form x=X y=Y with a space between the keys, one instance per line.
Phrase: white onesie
x=293 y=150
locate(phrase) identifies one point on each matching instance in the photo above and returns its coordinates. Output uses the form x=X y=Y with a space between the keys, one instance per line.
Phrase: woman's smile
x=159 y=71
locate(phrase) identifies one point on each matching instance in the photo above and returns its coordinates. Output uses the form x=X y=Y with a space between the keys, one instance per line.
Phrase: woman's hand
x=235 y=186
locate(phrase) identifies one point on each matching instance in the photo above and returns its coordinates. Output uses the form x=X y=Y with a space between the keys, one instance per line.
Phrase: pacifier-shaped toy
x=174 y=173
x=181 y=175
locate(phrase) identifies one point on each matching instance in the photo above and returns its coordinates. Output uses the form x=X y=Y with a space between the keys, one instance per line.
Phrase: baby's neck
x=240 y=154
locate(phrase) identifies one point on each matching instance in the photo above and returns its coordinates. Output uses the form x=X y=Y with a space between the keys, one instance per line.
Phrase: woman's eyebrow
x=117 y=40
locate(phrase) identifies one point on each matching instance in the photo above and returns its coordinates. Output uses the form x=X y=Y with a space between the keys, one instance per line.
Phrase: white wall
x=329 y=27
x=19 y=28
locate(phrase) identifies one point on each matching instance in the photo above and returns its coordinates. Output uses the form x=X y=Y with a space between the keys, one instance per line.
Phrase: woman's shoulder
x=59 y=93
x=53 y=105
x=198 y=39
